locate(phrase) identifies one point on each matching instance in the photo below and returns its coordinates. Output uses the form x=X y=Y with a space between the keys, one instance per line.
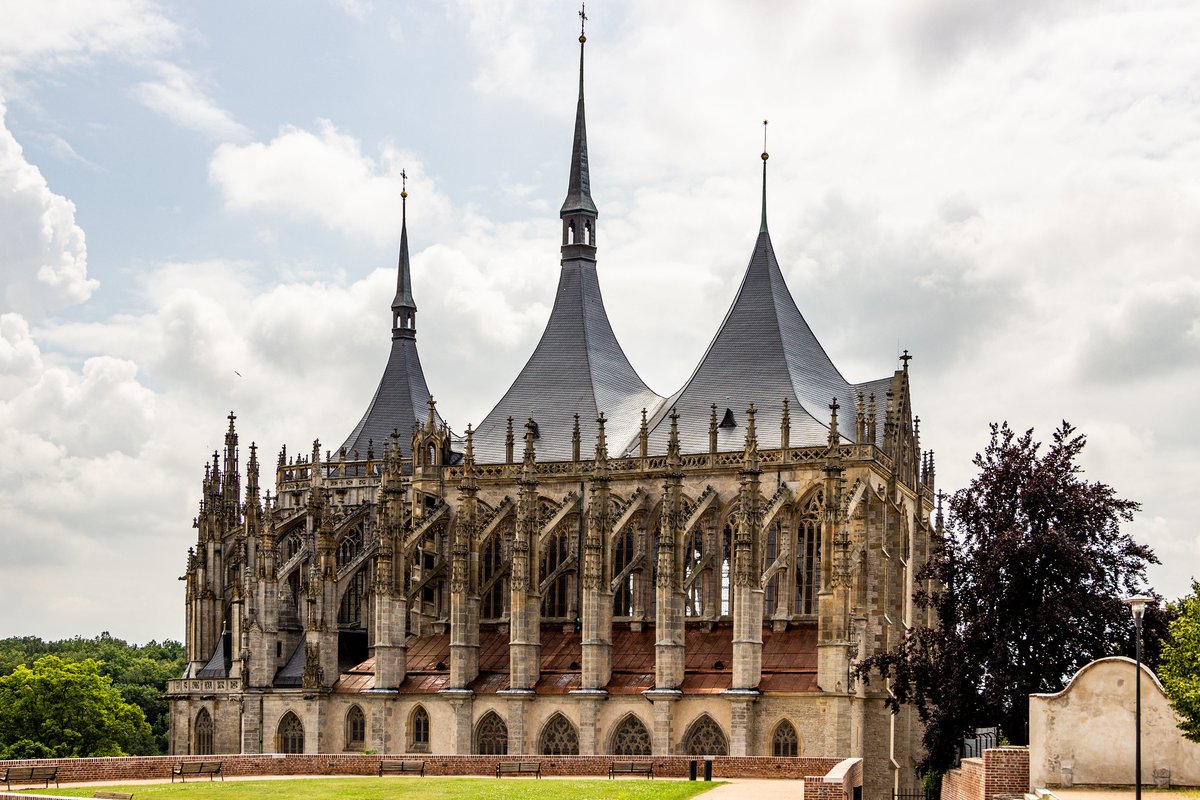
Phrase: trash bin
x=692 y=770
x=708 y=769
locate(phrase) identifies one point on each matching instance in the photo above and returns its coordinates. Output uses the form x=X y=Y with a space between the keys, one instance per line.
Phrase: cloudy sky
x=1010 y=190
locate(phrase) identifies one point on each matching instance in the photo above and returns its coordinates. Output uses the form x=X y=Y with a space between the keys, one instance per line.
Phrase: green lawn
x=408 y=789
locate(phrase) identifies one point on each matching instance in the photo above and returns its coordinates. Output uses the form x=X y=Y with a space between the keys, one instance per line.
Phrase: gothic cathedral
x=594 y=569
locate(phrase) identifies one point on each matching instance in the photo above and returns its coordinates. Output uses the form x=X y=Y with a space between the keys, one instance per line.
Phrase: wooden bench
x=31 y=775
x=519 y=768
x=114 y=795
x=185 y=768
x=394 y=767
x=631 y=768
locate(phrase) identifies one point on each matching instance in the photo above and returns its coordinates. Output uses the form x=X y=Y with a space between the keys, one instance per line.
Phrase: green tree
x=67 y=709
x=1026 y=588
x=1180 y=666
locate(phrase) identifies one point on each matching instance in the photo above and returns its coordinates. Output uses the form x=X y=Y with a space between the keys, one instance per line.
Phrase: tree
x=1180 y=667
x=67 y=709
x=1025 y=584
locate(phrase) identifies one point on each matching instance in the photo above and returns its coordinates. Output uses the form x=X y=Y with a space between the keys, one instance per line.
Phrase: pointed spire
x=404 y=307
x=469 y=454
x=785 y=427
x=834 y=436
x=530 y=435
x=579 y=188
x=673 y=455
x=601 y=439
x=508 y=442
x=575 y=440
x=750 y=449
x=712 y=429
x=762 y=228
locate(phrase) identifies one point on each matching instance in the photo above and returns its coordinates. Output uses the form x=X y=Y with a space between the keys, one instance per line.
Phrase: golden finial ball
x=404 y=195
x=765 y=156
x=582 y=38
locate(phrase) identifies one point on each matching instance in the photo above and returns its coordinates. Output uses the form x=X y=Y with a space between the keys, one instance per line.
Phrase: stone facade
x=705 y=588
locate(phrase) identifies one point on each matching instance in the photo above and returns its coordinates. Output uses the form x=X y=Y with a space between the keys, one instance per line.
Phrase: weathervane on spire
x=403 y=184
x=582 y=20
x=764 y=155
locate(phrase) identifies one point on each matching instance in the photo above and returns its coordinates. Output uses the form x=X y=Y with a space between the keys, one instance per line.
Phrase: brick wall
x=73 y=770
x=1001 y=771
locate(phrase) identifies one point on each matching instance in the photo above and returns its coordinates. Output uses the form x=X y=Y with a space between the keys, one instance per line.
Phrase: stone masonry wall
x=75 y=770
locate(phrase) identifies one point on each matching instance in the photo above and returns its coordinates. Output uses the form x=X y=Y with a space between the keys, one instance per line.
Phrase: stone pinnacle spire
x=404 y=307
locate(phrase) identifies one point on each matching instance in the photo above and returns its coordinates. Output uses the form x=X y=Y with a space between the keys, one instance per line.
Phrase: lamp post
x=1137 y=605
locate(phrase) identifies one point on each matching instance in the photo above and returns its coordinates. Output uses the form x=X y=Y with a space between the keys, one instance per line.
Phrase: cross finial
x=906 y=358
x=582 y=18
x=403 y=184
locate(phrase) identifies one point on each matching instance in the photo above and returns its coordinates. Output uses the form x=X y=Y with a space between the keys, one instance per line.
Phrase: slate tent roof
x=578 y=366
x=763 y=352
x=402 y=397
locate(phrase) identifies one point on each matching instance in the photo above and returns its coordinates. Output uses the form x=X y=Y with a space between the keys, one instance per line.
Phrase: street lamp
x=1137 y=605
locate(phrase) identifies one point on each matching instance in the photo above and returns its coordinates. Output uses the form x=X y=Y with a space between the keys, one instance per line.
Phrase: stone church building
x=592 y=569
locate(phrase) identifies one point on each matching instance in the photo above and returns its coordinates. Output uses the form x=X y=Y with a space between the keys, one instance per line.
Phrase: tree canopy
x=66 y=709
x=1026 y=582
x=1180 y=666
x=139 y=672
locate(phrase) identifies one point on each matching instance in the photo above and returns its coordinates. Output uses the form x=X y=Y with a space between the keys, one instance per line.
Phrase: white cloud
x=178 y=96
x=44 y=263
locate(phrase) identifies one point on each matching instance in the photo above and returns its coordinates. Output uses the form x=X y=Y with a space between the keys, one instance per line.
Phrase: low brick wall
x=1000 y=771
x=837 y=784
x=76 y=770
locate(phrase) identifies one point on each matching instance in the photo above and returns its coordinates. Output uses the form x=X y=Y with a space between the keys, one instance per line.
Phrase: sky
x=200 y=210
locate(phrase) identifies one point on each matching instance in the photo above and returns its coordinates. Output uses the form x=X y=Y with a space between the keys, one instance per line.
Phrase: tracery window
x=770 y=553
x=705 y=738
x=693 y=559
x=623 y=553
x=631 y=738
x=491 y=737
x=556 y=595
x=785 y=742
x=559 y=738
x=494 y=587
x=350 y=613
x=727 y=567
x=290 y=737
x=202 y=737
x=808 y=553
x=350 y=546
x=356 y=728
x=292 y=544
x=418 y=726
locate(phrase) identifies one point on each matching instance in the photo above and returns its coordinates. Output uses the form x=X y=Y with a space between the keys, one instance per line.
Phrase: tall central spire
x=578 y=212
x=404 y=307
x=762 y=228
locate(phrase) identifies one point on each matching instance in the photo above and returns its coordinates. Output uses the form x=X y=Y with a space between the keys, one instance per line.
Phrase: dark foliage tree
x=1180 y=667
x=1026 y=586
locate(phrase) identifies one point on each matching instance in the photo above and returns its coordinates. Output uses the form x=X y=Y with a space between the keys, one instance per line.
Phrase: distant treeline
x=138 y=672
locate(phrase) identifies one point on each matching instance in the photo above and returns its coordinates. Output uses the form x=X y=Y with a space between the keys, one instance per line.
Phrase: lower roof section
x=789 y=661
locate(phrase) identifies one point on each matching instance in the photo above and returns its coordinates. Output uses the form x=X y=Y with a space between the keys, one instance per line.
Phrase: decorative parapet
x=183 y=686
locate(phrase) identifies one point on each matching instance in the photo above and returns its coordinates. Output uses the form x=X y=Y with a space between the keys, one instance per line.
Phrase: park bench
x=31 y=775
x=631 y=768
x=185 y=768
x=519 y=768
x=395 y=767
x=114 y=795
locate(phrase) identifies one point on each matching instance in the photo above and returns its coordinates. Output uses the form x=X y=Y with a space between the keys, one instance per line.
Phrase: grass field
x=407 y=789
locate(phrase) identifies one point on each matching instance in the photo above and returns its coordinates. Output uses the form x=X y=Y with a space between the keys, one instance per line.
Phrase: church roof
x=402 y=397
x=578 y=367
x=763 y=352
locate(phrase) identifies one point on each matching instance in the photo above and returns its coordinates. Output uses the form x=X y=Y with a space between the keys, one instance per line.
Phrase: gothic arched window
x=493 y=586
x=356 y=728
x=727 y=567
x=785 y=742
x=202 y=735
x=808 y=553
x=350 y=614
x=491 y=737
x=630 y=738
x=705 y=738
x=290 y=736
x=350 y=546
x=695 y=549
x=418 y=727
x=555 y=578
x=559 y=738
x=623 y=552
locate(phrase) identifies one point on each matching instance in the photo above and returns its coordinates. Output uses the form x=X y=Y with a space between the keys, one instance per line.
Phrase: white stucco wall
x=1088 y=727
